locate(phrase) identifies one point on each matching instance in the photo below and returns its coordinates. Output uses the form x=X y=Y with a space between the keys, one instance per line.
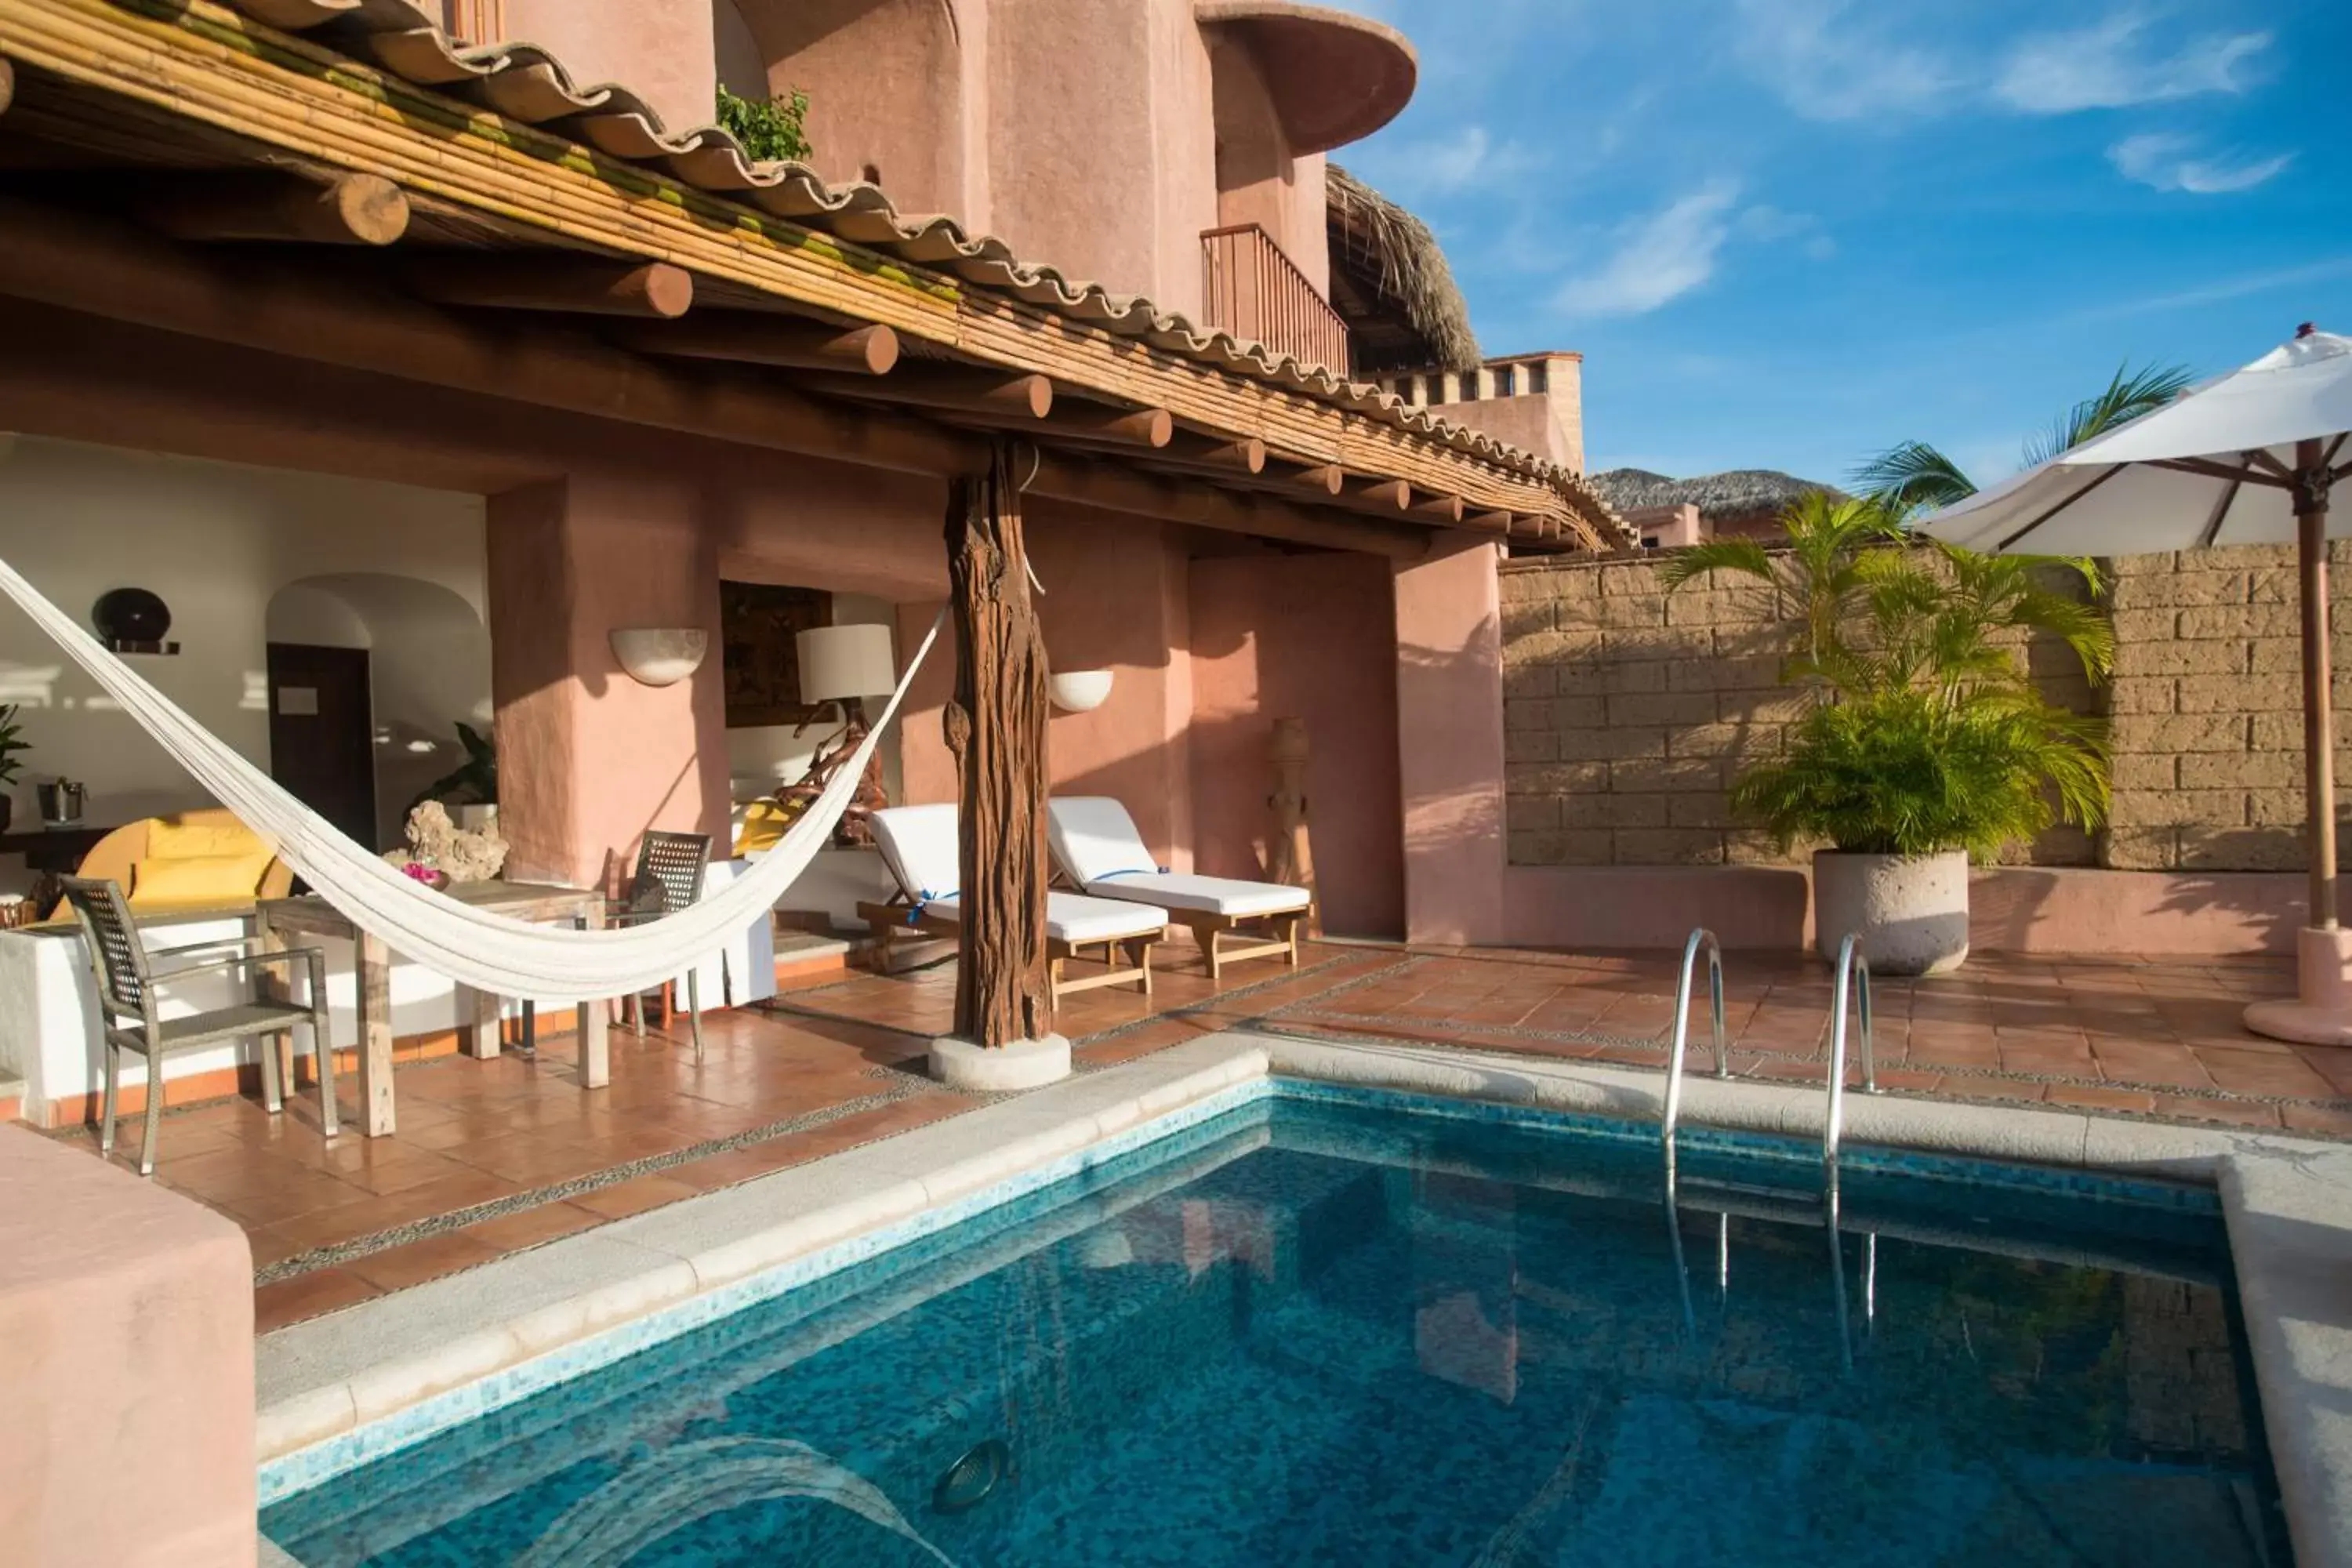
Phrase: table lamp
x=841 y=667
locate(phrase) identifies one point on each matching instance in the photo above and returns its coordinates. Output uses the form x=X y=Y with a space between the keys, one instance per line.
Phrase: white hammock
x=487 y=952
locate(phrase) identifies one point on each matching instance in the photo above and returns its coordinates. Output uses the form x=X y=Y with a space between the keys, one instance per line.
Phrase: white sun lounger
x=1096 y=845
x=919 y=844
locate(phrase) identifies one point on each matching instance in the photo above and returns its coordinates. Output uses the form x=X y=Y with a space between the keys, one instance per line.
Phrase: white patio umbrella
x=2246 y=459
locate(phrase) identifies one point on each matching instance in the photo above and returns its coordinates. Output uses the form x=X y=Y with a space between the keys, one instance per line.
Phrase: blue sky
x=1787 y=233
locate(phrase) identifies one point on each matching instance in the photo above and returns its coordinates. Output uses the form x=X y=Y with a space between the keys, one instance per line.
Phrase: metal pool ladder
x=1701 y=939
x=1849 y=1016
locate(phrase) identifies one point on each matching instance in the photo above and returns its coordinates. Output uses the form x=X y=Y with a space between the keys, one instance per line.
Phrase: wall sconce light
x=1080 y=690
x=660 y=656
x=133 y=620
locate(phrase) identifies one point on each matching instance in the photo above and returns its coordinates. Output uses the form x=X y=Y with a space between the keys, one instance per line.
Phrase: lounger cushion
x=919 y=845
x=1205 y=895
x=1093 y=837
x=1073 y=918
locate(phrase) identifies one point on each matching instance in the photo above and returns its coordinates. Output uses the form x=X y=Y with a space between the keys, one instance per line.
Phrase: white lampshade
x=839 y=663
x=1079 y=690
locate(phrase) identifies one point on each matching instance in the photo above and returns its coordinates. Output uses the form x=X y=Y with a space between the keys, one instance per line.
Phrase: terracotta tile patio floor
x=496 y=1156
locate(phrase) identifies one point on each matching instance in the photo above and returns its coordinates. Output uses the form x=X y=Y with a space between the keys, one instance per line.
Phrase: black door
x=322 y=733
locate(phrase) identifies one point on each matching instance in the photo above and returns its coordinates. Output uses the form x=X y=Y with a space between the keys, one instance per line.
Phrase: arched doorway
x=370 y=677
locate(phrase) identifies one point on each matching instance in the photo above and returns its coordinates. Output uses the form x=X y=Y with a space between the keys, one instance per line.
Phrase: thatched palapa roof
x=1736 y=495
x=1391 y=284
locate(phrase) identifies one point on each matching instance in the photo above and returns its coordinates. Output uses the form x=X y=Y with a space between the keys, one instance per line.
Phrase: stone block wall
x=1627 y=713
x=2208 y=705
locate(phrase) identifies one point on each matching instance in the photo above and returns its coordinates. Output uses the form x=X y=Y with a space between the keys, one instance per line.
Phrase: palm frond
x=1745 y=557
x=2128 y=396
x=1912 y=476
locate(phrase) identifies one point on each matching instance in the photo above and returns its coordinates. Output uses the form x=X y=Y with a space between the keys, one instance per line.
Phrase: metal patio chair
x=671 y=867
x=126 y=997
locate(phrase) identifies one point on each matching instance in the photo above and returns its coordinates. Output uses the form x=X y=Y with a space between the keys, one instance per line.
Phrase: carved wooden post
x=996 y=729
x=1292 y=858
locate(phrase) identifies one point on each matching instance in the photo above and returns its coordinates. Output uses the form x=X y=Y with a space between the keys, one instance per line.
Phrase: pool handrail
x=1853 y=984
x=1680 y=1049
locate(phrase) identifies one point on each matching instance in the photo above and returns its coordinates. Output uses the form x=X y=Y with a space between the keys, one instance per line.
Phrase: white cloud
x=2165 y=163
x=1468 y=158
x=1827 y=62
x=1773 y=225
x=2110 y=66
x=1658 y=257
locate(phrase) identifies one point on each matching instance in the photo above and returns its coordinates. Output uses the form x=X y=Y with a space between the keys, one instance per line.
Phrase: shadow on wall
x=1451 y=801
x=428 y=671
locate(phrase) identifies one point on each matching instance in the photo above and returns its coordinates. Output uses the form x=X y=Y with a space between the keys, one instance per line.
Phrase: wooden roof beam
x=506 y=280
x=1090 y=424
x=1323 y=479
x=752 y=337
x=79 y=262
x=949 y=388
x=7 y=85
x=1203 y=505
x=1191 y=454
x=349 y=209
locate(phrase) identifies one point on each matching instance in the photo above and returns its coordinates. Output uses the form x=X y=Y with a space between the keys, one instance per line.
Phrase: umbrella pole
x=2321 y=1012
x=2318 y=682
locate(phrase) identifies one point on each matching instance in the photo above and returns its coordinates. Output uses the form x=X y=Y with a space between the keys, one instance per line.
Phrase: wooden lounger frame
x=1209 y=928
x=892 y=921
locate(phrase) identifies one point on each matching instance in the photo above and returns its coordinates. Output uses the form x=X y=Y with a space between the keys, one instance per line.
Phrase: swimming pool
x=1348 y=1327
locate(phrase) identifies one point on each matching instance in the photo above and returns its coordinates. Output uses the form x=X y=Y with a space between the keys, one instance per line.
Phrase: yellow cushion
x=764 y=822
x=188 y=840
x=196 y=882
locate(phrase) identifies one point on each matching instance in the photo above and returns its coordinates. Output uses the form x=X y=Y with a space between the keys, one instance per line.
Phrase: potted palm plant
x=1927 y=742
x=13 y=745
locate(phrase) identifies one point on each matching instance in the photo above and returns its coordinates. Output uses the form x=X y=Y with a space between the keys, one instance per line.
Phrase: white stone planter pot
x=1911 y=913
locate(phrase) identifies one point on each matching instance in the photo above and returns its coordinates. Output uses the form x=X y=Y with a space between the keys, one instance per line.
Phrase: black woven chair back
x=106 y=924
x=670 y=872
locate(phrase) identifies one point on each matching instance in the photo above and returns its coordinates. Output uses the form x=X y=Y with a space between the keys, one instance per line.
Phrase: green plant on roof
x=772 y=132
x=13 y=744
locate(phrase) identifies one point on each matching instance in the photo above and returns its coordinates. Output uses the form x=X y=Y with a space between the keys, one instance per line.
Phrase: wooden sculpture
x=996 y=729
x=1291 y=859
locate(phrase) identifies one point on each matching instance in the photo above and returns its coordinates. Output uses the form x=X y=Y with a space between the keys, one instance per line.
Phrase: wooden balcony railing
x=475 y=21
x=1250 y=288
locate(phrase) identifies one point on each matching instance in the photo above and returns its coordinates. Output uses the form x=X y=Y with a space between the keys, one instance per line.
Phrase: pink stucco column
x=588 y=758
x=126 y=1399
x=1450 y=738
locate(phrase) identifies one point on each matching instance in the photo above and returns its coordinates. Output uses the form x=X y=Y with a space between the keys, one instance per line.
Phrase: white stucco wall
x=218 y=540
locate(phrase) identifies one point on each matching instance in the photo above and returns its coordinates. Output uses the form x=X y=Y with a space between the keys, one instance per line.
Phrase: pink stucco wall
x=1449 y=677
x=126 y=1405
x=589 y=758
x=886 y=86
x=1103 y=139
x=1312 y=638
x=661 y=49
x=2011 y=908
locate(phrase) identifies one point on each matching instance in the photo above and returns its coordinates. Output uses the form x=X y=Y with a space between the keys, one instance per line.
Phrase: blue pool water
x=1332 y=1330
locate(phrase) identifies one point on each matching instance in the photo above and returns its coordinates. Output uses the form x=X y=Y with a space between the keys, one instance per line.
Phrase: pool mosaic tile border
x=303 y=1468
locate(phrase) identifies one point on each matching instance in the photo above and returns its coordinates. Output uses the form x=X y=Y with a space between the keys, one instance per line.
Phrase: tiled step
x=12 y=1098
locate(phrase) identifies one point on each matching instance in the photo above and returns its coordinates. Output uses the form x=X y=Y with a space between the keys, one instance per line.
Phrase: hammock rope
x=478 y=948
